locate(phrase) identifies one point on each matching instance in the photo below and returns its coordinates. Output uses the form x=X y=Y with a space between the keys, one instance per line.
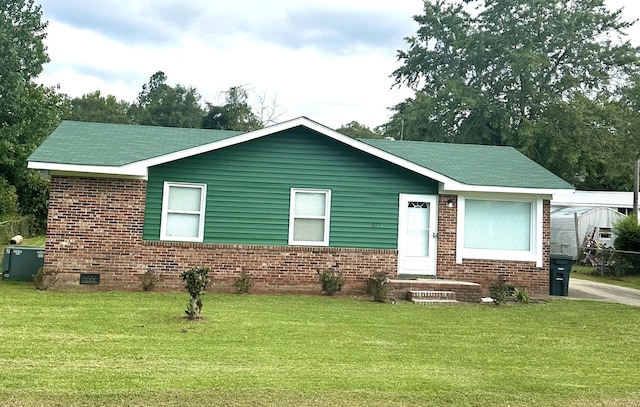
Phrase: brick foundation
x=95 y=225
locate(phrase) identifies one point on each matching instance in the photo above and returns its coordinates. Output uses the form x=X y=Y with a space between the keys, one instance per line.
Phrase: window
x=183 y=212
x=309 y=217
x=604 y=233
x=500 y=229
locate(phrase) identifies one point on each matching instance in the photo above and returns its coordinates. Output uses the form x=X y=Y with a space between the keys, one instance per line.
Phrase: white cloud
x=329 y=60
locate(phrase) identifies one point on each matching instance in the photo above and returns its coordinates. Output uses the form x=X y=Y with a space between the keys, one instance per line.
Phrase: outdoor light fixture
x=450 y=203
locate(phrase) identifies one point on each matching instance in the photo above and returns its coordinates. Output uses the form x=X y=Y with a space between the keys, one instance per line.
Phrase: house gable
x=249 y=184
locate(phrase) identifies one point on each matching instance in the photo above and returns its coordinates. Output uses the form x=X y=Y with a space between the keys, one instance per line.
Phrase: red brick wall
x=95 y=226
x=517 y=274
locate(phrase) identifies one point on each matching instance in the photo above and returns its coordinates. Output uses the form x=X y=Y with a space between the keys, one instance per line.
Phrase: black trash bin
x=560 y=267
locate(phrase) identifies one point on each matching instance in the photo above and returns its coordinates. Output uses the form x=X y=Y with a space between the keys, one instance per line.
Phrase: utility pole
x=636 y=187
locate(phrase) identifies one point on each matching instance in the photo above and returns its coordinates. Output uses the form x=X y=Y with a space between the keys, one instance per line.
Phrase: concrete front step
x=424 y=301
x=464 y=291
x=431 y=295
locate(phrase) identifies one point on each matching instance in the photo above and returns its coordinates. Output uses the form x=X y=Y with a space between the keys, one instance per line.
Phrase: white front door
x=417 y=233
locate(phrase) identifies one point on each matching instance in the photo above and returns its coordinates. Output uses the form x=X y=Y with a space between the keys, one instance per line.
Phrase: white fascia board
x=456 y=188
x=127 y=170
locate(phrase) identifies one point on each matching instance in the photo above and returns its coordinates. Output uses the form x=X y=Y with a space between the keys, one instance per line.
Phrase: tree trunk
x=194 y=308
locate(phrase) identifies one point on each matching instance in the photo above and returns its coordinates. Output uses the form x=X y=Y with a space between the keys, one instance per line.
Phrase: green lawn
x=134 y=348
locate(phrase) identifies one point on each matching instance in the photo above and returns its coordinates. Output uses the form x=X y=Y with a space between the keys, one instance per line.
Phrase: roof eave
x=456 y=188
x=130 y=170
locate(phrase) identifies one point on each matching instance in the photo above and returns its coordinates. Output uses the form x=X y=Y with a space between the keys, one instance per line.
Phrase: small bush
x=44 y=280
x=627 y=233
x=522 y=296
x=150 y=279
x=244 y=283
x=498 y=290
x=331 y=280
x=379 y=286
x=196 y=281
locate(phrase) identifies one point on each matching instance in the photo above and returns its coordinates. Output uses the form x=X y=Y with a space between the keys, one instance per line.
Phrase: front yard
x=134 y=348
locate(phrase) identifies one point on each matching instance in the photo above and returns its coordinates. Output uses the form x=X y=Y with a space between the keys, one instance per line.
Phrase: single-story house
x=286 y=201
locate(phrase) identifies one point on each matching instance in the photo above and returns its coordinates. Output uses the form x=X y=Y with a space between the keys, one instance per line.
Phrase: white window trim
x=326 y=217
x=534 y=254
x=165 y=212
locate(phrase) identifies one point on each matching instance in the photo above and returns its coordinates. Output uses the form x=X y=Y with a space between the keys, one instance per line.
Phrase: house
x=286 y=201
x=571 y=226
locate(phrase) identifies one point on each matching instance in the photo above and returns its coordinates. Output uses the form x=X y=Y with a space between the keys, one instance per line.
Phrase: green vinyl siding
x=249 y=186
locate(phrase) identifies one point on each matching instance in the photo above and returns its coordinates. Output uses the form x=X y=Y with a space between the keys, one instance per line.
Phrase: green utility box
x=559 y=270
x=21 y=263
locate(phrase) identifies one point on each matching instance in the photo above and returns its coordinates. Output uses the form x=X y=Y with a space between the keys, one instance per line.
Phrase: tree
x=357 y=130
x=93 y=107
x=162 y=105
x=28 y=112
x=235 y=114
x=196 y=282
x=500 y=72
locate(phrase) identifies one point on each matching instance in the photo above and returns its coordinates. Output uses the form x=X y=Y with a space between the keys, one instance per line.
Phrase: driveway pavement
x=590 y=290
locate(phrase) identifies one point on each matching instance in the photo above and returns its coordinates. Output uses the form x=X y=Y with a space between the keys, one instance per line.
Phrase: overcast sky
x=329 y=60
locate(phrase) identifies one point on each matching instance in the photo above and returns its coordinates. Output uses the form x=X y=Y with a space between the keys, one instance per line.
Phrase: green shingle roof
x=114 y=145
x=473 y=164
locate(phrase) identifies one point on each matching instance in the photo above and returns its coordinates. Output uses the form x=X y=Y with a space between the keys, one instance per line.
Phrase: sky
x=328 y=60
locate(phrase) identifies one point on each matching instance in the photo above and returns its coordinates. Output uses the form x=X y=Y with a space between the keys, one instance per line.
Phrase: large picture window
x=309 y=217
x=498 y=225
x=499 y=229
x=183 y=207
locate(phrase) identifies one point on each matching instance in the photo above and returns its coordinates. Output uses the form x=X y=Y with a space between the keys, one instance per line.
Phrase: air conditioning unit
x=21 y=263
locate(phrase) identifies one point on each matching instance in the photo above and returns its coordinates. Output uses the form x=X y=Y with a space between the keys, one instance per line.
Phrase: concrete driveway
x=590 y=290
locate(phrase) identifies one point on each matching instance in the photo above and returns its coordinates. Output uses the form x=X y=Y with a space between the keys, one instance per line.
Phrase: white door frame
x=417 y=265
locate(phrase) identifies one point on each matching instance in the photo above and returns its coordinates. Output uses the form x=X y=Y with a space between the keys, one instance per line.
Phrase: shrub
x=522 y=296
x=627 y=233
x=379 y=286
x=244 y=283
x=330 y=280
x=196 y=281
x=498 y=290
x=149 y=280
x=44 y=280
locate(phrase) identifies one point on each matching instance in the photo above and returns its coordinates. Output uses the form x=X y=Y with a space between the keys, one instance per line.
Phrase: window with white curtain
x=499 y=225
x=500 y=229
x=183 y=207
x=309 y=217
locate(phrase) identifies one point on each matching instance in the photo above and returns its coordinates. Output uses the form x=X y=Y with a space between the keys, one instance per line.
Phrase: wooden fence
x=10 y=228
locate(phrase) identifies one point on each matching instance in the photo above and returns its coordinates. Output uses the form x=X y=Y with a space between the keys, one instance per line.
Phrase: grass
x=134 y=348
x=592 y=274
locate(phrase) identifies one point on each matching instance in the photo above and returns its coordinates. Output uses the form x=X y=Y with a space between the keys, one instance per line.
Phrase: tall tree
x=357 y=130
x=93 y=107
x=498 y=71
x=235 y=114
x=162 y=105
x=28 y=112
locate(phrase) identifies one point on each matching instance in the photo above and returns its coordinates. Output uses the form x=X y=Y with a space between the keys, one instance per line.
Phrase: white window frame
x=534 y=254
x=326 y=217
x=166 y=212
